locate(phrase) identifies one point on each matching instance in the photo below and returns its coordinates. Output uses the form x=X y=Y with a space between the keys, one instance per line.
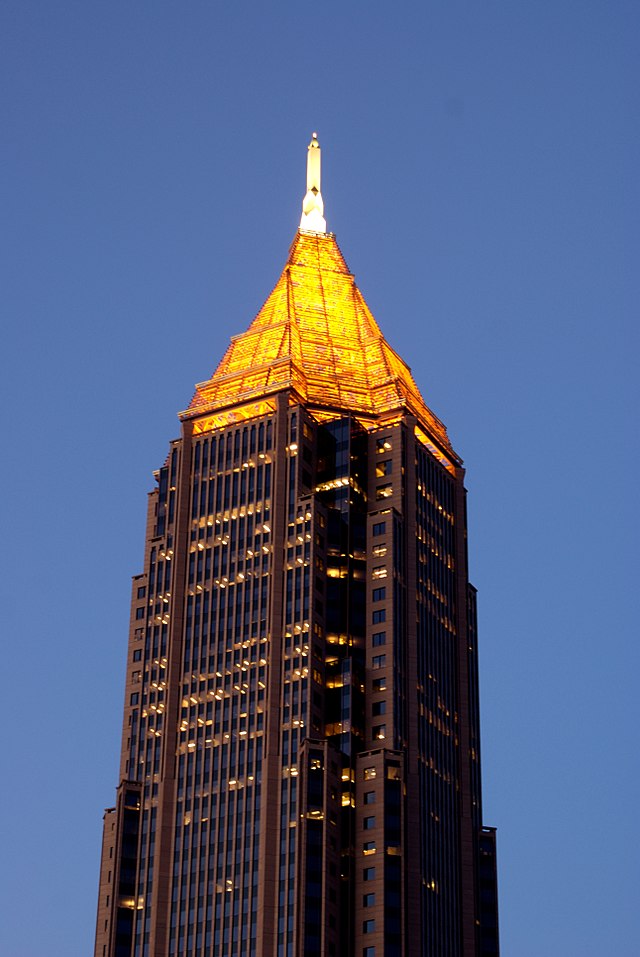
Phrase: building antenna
x=313 y=220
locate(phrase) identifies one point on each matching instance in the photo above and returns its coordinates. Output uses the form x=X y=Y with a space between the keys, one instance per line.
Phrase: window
x=369 y=774
x=379 y=594
x=135 y=698
x=379 y=550
x=383 y=444
x=142 y=591
x=369 y=822
x=379 y=528
x=380 y=571
x=380 y=732
x=139 y=613
x=378 y=661
x=369 y=874
x=393 y=772
x=379 y=616
x=379 y=707
x=369 y=847
x=384 y=491
x=368 y=952
x=369 y=797
x=383 y=468
x=368 y=900
x=137 y=655
x=379 y=638
x=368 y=926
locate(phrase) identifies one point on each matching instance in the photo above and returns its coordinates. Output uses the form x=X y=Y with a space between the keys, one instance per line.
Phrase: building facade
x=300 y=769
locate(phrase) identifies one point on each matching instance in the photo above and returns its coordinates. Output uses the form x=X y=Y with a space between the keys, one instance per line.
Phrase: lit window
x=380 y=571
x=369 y=774
x=383 y=444
x=379 y=684
x=369 y=847
x=379 y=550
x=384 y=491
x=393 y=772
x=380 y=732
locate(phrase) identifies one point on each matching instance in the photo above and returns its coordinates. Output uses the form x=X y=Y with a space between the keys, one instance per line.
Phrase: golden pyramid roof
x=316 y=336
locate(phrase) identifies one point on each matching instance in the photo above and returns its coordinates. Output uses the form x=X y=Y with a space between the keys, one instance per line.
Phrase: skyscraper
x=300 y=768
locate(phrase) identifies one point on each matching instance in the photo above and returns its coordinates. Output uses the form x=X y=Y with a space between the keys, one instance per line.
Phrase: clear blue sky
x=481 y=169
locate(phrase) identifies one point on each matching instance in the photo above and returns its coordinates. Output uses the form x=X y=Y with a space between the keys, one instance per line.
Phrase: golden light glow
x=211 y=422
x=316 y=336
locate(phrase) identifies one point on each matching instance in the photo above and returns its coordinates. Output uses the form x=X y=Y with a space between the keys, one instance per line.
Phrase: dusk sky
x=480 y=170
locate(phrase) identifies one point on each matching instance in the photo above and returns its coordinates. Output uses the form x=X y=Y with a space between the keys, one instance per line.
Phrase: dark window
x=379 y=638
x=368 y=900
x=142 y=591
x=368 y=926
x=368 y=874
x=135 y=698
x=379 y=616
x=379 y=528
x=137 y=655
x=379 y=594
x=369 y=822
x=369 y=797
x=378 y=661
x=139 y=613
x=379 y=707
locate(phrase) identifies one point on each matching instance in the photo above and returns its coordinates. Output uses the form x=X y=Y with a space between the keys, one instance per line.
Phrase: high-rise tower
x=300 y=770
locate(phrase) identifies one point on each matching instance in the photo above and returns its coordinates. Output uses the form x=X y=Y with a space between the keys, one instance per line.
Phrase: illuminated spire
x=312 y=219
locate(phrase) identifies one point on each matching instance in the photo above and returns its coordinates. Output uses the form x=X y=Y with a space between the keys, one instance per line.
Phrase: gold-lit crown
x=316 y=337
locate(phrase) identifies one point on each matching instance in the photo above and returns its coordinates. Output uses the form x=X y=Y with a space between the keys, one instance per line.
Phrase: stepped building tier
x=300 y=764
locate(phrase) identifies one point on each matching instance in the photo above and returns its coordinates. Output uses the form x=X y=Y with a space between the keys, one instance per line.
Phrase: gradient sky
x=481 y=169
